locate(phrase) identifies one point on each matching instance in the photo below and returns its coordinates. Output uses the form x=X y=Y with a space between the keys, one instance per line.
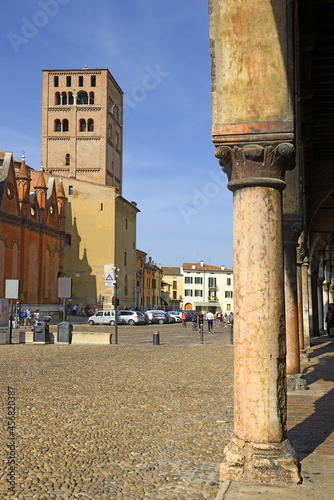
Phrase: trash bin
x=64 y=332
x=41 y=333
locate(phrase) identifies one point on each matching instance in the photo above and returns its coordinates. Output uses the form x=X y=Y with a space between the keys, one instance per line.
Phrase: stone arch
x=82 y=125
x=90 y=125
x=57 y=125
x=82 y=98
x=65 y=125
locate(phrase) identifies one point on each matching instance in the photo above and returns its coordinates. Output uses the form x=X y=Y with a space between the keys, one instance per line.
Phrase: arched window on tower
x=57 y=98
x=64 y=98
x=82 y=98
x=68 y=159
x=70 y=98
x=90 y=125
x=82 y=125
x=91 y=97
x=57 y=126
x=65 y=125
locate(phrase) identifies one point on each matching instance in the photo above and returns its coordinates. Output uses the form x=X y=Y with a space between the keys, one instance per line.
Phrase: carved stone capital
x=292 y=228
x=256 y=164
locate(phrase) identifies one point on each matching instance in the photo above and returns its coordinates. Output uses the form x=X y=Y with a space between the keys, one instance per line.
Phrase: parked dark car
x=157 y=317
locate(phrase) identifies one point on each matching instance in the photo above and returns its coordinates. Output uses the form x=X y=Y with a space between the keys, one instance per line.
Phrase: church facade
x=32 y=223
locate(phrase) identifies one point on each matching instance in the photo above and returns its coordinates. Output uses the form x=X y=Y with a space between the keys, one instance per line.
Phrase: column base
x=260 y=462
x=304 y=357
x=295 y=382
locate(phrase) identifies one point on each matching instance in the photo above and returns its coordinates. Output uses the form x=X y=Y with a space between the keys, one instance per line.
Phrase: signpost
x=64 y=292
x=11 y=292
x=110 y=279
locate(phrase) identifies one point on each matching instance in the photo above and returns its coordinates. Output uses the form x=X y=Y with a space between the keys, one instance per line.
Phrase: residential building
x=148 y=282
x=207 y=288
x=201 y=287
x=173 y=277
x=140 y=259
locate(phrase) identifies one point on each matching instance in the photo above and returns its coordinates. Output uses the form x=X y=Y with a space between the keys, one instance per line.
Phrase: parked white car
x=106 y=317
x=177 y=315
x=132 y=317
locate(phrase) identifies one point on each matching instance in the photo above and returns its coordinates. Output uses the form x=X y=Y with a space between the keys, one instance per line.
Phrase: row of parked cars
x=129 y=317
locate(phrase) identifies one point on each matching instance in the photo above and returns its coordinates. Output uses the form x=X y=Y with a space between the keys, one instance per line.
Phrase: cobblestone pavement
x=129 y=421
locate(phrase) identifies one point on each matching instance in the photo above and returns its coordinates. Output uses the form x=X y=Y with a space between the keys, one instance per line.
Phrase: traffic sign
x=109 y=279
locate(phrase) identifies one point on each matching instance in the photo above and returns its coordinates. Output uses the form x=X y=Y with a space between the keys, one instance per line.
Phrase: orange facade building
x=32 y=220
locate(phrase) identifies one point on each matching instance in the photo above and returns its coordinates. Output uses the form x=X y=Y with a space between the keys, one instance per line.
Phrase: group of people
x=212 y=320
x=28 y=318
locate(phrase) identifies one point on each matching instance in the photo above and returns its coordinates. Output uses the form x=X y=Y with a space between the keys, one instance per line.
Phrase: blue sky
x=159 y=53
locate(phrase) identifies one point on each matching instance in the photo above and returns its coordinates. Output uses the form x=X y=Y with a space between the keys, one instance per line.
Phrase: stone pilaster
x=292 y=228
x=259 y=451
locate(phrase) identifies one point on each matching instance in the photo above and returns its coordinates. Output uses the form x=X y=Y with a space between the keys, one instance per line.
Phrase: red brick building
x=31 y=231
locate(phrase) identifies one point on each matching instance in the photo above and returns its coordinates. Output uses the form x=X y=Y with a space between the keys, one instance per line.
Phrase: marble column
x=331 y=294
x=320 y=292
x=305 y=297
x=259 y=450
x=310 y=303
x=304 y=358
x=292 y=231
x=325 y=298
x=315 y=306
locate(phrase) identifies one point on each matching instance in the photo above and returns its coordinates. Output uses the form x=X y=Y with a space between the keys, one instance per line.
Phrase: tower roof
x=41 y=181
x=23 y=173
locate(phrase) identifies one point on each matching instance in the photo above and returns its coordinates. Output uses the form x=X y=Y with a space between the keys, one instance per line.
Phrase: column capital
x=292 y=229
x=256 y=164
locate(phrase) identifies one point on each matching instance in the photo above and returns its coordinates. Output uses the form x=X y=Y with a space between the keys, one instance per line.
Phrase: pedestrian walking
x=194 y=321
x=184 y=319
x=27 y=317
x=210 y=317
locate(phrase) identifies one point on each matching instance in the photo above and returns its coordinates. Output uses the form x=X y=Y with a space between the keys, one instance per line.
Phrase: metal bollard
x=156 y=339
x=231 y=333
x=201 y=336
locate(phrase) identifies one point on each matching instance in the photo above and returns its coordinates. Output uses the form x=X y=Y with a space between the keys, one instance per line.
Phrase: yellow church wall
x=94 y=214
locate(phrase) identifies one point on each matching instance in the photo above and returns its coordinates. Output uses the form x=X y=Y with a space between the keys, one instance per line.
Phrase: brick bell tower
x=82 y=120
